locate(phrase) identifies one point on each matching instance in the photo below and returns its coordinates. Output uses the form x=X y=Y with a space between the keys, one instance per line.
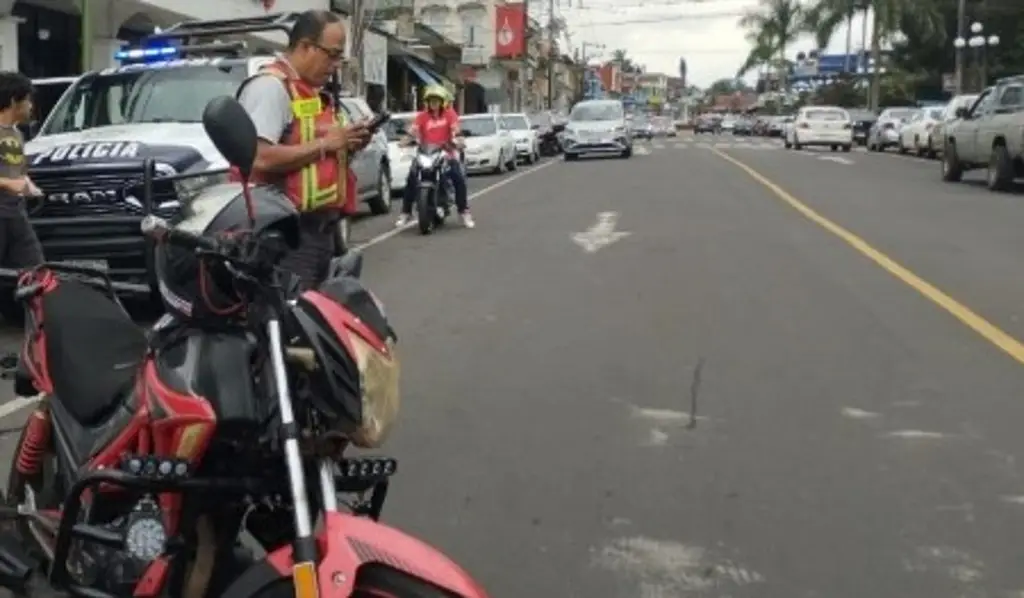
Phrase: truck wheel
x=952 y=169
x=1000 y=169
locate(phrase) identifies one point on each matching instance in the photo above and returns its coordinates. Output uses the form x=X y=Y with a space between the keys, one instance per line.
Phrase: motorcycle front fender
x=345 y=544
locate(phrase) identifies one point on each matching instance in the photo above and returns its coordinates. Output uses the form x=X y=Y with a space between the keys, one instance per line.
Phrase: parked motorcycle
x=151 y=453
x=434 y=193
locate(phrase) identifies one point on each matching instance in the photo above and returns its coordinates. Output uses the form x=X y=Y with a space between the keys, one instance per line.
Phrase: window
x=436 y=17
x=142 y=96
x=473 y=20
x=597 y=111
x=478 y=127
x=982 y=105
x=1013 y=95
x=515 y=123
x=826 y=115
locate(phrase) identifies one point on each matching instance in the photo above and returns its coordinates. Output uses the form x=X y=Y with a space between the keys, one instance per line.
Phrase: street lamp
x=980 y=43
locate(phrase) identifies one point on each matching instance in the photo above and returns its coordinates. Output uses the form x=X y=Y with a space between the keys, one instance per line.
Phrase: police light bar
x=146 y=54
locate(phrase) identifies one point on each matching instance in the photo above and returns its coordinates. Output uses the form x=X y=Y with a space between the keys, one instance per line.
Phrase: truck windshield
x=142 y=96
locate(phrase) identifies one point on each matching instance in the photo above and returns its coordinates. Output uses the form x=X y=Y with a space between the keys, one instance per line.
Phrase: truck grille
x=106 y=192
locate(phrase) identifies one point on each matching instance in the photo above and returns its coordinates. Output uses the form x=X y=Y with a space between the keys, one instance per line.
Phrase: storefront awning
x=424 y=74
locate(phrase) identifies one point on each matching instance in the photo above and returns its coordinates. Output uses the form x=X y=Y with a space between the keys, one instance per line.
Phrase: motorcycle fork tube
x=328 y=489
x=304 y=548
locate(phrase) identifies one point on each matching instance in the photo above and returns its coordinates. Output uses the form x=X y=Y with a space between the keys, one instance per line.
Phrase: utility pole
x=961 y=30
x=525 y=58
x=356 y=35
x=551 y=54
x=86 y=34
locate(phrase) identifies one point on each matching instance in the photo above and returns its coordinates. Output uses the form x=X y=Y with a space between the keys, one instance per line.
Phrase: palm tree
x=888 y=17
x=775 y=24
x=626 y=63
x=762 y=51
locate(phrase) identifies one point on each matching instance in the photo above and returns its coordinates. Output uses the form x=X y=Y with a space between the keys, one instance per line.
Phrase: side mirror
x=535 y=127
x=232 y=132
x=350 y=265
x=962 y=112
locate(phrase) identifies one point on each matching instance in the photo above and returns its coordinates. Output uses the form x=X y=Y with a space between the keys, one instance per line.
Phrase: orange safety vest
x=314 y=186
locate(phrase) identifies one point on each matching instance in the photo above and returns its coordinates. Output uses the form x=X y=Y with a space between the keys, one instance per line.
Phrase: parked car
x=988 y=135
x=489 y=146
x=400 y=158
x=371 y=166
x=743 y=126
x=915 y=136
x=728 y=123
x=821 y=125
x=597 y=127
x=706 y=123
x=949 y=115
x=777 y=126
x=526 y=140
x=886 y=130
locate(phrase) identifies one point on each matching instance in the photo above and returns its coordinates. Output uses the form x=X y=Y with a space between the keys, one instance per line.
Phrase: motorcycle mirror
x=232 y=132
x=961 y=112
x=350 y=264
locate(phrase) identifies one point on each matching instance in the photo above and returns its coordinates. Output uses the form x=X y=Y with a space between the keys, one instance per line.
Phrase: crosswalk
x=682 y=144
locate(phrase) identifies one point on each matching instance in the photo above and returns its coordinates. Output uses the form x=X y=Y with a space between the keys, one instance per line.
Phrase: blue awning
x=422 y=73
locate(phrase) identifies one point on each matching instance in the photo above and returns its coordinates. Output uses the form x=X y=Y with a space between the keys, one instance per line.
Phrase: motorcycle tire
x=425 y=213
x=372 y=581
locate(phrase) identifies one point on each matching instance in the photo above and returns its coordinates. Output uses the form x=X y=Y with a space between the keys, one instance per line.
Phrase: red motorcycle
x=151 y=454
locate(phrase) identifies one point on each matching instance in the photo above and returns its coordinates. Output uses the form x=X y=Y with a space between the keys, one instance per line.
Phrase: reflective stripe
x=305 y=111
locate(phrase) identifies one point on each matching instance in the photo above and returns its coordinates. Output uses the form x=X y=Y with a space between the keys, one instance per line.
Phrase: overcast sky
x=657 y=33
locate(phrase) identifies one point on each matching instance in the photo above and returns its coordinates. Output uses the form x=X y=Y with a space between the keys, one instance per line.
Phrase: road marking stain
x=855 y=413
x=1013 y=500
x=967 y=316
x=953 y=563
x=663 y=568
x=657 y=437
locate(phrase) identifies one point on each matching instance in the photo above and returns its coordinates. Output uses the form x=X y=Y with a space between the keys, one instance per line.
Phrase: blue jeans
x=455 y=175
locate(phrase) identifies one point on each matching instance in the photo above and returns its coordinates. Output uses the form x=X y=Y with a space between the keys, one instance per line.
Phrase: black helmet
x=195 y=289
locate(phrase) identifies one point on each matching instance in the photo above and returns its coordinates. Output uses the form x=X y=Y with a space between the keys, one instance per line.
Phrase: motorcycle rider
x=301 y=135
x=437 y=125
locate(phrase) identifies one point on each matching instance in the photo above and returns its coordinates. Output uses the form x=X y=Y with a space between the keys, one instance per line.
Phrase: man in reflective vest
x=301 y=137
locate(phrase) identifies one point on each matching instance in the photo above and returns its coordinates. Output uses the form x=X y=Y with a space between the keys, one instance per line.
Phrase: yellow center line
x=969 y=317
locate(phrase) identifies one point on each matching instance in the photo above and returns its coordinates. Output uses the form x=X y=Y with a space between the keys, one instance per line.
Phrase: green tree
x=774 y=25
x=824 y=18
x=621 y=57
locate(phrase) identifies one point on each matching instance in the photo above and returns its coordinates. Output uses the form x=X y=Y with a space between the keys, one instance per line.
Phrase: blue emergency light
x=146 y=54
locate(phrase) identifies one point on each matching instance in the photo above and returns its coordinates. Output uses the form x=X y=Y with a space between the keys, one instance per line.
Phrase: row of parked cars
x=983 y=131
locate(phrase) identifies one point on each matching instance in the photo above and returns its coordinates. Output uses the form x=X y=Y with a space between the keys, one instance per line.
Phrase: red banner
x=510 y=31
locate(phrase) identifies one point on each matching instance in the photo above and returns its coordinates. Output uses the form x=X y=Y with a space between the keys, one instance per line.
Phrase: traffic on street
x=717 y=369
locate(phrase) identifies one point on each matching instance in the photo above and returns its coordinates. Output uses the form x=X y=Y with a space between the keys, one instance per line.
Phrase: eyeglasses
x=334 y=54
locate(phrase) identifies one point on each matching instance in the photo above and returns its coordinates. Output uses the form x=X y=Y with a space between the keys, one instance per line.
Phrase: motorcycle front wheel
x=425 y=211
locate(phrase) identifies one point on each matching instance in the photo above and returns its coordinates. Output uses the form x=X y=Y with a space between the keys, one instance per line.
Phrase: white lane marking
x=395 y=231
x=916 y=435
x=601 y=234
x=17 y=404
x=642 y=151
x=664 y=569
x=953 y=563
x=656 y=437
x=854 y=413
x=836 y=159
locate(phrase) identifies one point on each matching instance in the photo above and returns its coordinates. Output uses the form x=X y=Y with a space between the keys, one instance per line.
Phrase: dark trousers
x=19 y=245
x=318 y=243
x=455 y=175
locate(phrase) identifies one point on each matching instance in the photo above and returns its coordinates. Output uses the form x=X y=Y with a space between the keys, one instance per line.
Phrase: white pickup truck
x=990 y=135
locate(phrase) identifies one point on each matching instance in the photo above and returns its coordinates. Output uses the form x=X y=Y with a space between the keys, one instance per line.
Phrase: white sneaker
x=467 y=220
x=403 y=220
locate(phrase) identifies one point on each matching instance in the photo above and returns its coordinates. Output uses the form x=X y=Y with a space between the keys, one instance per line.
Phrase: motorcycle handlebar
x=159 y=230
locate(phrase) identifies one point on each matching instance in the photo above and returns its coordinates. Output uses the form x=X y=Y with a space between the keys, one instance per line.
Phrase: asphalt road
x=858 y=403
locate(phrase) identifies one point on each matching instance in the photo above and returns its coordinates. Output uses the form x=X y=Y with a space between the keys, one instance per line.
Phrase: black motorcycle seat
x=93 y=350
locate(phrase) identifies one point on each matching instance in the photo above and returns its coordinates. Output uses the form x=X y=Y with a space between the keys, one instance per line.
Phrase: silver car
x=886 y=130
x=371 y=166
x=597 y=127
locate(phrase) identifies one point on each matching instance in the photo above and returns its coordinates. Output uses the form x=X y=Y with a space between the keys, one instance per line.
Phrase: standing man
x=301 y=136
x=19 y=246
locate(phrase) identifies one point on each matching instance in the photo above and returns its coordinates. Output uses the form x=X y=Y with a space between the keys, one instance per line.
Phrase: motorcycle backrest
x=232 y=132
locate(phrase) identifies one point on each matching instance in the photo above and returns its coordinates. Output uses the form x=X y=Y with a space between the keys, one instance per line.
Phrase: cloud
x=657 y=33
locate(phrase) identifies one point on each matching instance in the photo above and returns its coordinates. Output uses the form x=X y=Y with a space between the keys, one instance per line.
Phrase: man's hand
x=361 y=139
x=16 y=186
x=353 y=137
x=32 y=190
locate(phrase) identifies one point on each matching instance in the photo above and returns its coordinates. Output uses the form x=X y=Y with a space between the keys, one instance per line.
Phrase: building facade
x=43 y=38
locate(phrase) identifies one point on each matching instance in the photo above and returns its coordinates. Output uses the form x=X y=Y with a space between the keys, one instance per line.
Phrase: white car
x=489 y=146
x=399 y=157
x=821 y=125
x=915 y=135
x=527 y=143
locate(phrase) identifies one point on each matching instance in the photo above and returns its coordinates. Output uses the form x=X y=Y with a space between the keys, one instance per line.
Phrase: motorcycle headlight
x=425 y=161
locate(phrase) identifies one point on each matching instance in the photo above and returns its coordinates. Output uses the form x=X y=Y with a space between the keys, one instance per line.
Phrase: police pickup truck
x=128 y=141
